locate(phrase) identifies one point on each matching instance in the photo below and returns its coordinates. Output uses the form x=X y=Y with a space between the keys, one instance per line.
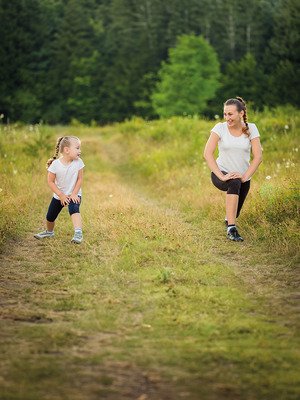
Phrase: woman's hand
x=75 y=198
x=64 y=199
x=231 y=175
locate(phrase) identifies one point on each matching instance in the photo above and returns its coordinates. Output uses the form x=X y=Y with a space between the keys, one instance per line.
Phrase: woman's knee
x=234 y=186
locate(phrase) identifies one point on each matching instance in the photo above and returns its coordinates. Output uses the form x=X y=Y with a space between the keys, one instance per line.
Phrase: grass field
x=155 y=304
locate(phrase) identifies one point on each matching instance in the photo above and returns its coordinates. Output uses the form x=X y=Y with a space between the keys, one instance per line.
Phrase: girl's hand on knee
x=75 y=198
x=64 y=199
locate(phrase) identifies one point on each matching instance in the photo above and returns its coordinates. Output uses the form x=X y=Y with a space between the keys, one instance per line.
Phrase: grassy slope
x=147 y=305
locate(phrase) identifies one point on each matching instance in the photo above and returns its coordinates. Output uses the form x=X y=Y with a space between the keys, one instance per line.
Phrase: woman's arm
x=211 y=162
x=257 y=159
x=51 y=183
x=74 y=194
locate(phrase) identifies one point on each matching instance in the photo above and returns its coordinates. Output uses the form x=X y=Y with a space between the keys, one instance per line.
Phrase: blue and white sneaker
x=233 y=235
x=44 y=234
x=77 y=238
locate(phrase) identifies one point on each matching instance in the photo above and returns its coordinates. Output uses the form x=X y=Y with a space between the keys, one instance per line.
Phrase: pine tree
x=188 y=80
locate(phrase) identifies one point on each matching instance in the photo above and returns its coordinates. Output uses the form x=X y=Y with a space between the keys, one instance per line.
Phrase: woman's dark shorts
x=233 y=186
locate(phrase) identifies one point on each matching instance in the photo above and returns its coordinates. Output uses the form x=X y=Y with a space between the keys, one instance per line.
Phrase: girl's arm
x=74 y=195
x=51 y=183
x=209 y=150
x=257 y=159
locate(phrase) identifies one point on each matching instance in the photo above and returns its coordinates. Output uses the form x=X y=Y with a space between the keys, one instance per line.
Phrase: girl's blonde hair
x=62 y=142
x=241 y=106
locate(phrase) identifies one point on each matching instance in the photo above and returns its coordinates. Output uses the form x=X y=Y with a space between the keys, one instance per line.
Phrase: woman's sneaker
x=44 y=234
x=77 y=238
x=233 y=235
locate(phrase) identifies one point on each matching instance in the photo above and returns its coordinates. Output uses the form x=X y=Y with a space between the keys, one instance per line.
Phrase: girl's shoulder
x=79 y=163
x=54 y=166
x=56 y=162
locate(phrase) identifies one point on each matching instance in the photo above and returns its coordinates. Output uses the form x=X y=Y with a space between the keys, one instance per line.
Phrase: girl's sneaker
x=43 y=235
x=77 y=238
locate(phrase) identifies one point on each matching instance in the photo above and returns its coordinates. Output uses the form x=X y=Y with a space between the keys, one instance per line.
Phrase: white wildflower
x=268 y=177
x=15 y=172
x=217 y=116
x=286 y=127
x=111 y=195
x=1 y=116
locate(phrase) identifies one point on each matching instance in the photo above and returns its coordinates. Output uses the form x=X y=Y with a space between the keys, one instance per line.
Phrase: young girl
x=232 y=170
x=65 y=178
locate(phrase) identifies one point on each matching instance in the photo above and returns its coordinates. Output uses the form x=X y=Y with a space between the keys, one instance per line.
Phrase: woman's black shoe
x=234 y=235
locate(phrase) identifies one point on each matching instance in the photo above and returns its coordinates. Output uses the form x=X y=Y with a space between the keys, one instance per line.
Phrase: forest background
x=99 y=60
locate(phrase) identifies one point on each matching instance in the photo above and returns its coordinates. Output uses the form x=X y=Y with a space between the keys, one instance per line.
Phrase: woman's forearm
x=213 y=166
x=252 y=169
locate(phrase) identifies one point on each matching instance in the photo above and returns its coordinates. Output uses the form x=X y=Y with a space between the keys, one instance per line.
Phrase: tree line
x=101 y=60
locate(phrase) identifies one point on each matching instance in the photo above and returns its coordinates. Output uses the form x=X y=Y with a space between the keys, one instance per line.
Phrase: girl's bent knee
x=74 y=208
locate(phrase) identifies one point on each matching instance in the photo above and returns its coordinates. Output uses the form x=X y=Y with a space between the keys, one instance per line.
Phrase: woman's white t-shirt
x=234 y=151
x=66 y=175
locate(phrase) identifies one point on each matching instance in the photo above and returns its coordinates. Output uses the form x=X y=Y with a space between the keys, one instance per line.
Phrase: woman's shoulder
x=252 y=125
x=220 y=124
x=253 y=128
x=219 y=128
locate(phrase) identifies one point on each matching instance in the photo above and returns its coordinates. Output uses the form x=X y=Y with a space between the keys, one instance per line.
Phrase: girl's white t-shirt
x=234 y=151
x=66 y=175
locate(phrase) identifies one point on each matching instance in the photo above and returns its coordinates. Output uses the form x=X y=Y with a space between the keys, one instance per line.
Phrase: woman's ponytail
x=245 y=116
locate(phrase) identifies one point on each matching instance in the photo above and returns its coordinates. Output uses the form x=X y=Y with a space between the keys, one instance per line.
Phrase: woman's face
x=232 y=116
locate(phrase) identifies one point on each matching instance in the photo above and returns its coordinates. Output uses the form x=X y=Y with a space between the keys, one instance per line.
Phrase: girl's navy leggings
x=55 y=208
x=232 y=186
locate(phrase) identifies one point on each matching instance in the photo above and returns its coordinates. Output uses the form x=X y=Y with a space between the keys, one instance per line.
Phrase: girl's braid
x=50 y=161
x=245 y=116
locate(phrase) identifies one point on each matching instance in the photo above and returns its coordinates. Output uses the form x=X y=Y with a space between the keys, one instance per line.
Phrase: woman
x=232 y=170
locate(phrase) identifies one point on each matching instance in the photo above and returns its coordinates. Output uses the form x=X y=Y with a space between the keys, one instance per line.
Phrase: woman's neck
x=236 y=127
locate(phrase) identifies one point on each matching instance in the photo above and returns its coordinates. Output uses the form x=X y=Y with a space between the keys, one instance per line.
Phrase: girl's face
x=73 y=151
x=232 y=116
